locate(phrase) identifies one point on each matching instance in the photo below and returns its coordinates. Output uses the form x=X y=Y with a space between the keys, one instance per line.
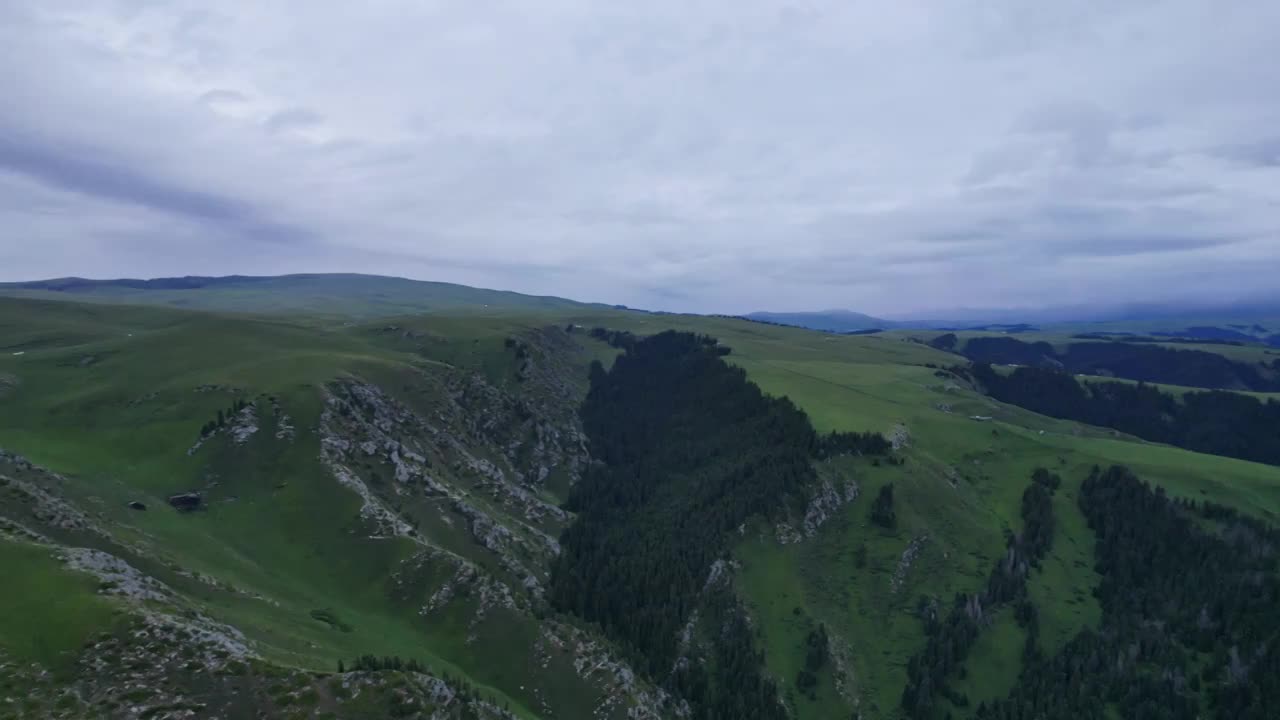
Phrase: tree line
x=220 y=421
x=726 y=680
x=1189 y=627
x=950 y=639
x=1212 y=421
x=1132 y=361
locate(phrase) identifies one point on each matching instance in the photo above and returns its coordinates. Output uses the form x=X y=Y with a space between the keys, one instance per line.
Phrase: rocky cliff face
x=451 y=471
x=456 y=470
x=460 y=465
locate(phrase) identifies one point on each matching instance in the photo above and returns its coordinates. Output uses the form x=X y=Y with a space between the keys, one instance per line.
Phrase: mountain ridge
x=352 y=295
x=825 y=320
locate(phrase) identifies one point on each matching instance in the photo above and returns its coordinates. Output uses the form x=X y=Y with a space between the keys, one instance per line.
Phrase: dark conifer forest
x=1189 y=628
x=689 y=450
x=1132 y=361
x=1212 y=421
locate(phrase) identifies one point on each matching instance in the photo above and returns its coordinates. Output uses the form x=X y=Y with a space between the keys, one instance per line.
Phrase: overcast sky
x=889 y=157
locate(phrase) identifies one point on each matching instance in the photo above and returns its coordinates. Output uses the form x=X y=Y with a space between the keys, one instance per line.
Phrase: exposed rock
x=135 y=505
x=973 y=608
x=899 y=437
x=456 y=446
x=361 y=418
x=841 y=654
x=147 y=671
x=787 y=534
x=539 y=437
x=284 y=424
x=686 y=638
x=720 y=571
x=45 y=508
x=243 y=424
x=498 y=539
x=904 y=563
x=16 y=529
x=592 y=660
x=199 y=443
x=825 y=502
x=186 y=502
x=118 y=577
x=473 y=581
x=386 y=521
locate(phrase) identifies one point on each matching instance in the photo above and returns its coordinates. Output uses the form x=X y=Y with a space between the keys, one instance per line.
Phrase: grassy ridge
x=325 y=295
x=115 y=405
x=55 y=611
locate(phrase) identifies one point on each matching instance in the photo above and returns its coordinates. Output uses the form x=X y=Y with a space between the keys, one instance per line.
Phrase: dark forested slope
x=1214 y=421
x=690 y=450
x=950 y=639
x=1132 y=361
x=1189 y=628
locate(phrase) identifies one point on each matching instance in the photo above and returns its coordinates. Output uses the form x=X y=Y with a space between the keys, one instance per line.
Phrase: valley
x=407 y=493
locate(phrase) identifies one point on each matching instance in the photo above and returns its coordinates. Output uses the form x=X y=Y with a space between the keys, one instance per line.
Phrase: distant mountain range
x=1236 y=321
x=847 y=321
x=1118 y=313
x=829 y=320
x=347 y=295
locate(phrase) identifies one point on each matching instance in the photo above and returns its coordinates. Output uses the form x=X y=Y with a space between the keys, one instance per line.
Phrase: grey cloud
x=92 y=172
x=812 y=154
x=1263 y=153
x=220 y=97
x=1093 y=231
x=1072 y=118
x=1106 y=245
x=293 y=119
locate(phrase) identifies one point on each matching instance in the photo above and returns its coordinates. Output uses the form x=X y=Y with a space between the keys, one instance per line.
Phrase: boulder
x=185 y=502
x=135 y=505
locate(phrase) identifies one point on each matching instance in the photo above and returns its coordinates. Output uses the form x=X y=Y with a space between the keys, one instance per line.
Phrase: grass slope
x=105 y=394
x=113 y=397
x=55 y=611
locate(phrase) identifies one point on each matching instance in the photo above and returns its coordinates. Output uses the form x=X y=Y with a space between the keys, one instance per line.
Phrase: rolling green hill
x=331 y=295
x=396 y=487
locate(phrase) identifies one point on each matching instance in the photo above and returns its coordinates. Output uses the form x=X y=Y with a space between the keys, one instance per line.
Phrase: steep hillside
x=207 y=513
x=306 y=497
x=966 y=463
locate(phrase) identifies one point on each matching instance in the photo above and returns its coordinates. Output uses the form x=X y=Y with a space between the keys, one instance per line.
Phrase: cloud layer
x=707 y=155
